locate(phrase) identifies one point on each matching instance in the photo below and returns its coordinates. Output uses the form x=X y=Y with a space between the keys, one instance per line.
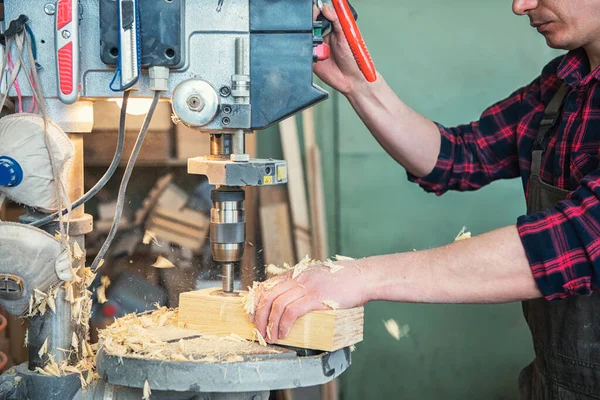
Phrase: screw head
x=50 y=8
x=225 y=91
x=225 y=121
x=195 y=103
x=66 y=34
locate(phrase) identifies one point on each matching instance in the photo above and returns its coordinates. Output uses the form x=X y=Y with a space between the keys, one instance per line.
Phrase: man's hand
x=340 y=71
x=277 y=308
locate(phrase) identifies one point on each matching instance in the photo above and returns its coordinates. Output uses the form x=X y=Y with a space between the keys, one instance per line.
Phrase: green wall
x=448 y=60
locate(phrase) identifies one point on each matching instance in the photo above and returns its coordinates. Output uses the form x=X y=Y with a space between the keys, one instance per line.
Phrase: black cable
x=125 y=182
x=107 y=175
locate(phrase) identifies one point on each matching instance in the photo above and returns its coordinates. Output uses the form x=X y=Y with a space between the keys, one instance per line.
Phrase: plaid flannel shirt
x=561 y=243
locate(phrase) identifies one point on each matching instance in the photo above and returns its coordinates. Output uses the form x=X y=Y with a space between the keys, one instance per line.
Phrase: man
x=547 y=133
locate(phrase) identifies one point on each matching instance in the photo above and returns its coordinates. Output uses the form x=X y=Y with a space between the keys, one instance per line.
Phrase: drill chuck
x=228 y=225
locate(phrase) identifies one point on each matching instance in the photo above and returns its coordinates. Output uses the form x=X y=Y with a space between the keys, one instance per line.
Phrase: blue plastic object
x=11 y=173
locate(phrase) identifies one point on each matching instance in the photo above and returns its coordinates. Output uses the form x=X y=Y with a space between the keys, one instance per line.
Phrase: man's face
x=566 y=24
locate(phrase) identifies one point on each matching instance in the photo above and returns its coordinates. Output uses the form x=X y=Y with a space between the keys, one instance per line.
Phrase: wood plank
x=173 y=198
x=316 y=195
x=209 y=313
x=152 y=199
x=99 y=148
x=177 y=227
x=278 y=247
x=186 y=216
x=174 y=237
x=251 y=258
x=191 y=142
x=297 y=191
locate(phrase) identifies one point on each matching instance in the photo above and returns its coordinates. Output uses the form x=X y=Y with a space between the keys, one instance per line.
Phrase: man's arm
x=407 y=136
x=491 y=268
x=463 y=158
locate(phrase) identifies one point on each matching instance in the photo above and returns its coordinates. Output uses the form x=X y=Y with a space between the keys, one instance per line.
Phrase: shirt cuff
x=542 y=234
x=435 y=181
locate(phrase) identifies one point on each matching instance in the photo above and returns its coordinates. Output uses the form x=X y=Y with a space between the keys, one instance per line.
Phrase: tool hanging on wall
x=66 y=39
x=130 y=53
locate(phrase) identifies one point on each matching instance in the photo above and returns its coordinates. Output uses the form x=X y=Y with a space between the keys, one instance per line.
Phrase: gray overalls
x=566 y=333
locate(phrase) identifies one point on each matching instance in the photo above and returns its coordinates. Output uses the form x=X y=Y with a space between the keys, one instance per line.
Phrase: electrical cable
x=107 y=175
x=125 y=182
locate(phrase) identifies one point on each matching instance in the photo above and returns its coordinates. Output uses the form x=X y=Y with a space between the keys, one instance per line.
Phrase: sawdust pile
x=140 y=336
x=76 y=295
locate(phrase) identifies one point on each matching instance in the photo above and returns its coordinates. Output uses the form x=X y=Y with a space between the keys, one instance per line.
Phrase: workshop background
x=448 y=60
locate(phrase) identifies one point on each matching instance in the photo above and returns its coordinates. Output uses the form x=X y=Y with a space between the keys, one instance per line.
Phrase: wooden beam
x=296 y=189
x=210 y=313
x=276 y=227
x=250 y=261
x=314 y=175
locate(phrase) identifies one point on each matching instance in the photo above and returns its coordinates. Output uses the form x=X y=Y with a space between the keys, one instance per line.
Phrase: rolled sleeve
x=476 y=154
x=563 y=243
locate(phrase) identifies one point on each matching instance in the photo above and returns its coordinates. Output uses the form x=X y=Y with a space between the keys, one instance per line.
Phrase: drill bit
x=220 y=5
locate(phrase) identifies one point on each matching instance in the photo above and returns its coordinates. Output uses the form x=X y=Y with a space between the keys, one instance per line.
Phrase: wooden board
x=314 y=177
x=191 y=142
x=99 y=148
x=208 y=313
x=251 y=259
x=276 y=226
x=297 y=191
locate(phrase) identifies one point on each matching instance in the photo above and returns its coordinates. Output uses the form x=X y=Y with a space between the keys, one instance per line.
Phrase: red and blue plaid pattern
x=562 y=243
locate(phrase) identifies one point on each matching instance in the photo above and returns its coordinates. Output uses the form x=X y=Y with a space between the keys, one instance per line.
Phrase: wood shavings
x=31 y=305
x=270 y=284
x=463 y=235
x=101 y=294
x=301 y=267
x=105 y=281
x=77 y=252
x=51 y=304
x=248 y=299
x=331 y=304
x=275 y=270
x=395 y=331
x=89 y=276
x=69 y=297
x=44 y=349
x=75 y=342
x=343 y=258
x=147 y=391
x=163 y=263
x=150 y=237
x=260 y=338
x=333 y=268
x=269 y=327
x=352 y=348
x=181 y=345
x=179 y=357
x=234 y=358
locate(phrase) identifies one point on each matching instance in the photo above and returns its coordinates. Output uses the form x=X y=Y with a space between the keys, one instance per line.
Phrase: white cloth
x=22 y=138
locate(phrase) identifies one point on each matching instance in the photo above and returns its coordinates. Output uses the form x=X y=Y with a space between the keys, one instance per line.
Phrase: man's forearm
x=491 y=268
x=410 y=138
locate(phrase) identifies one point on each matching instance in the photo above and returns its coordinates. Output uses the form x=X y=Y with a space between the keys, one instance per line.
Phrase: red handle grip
x=355 y=40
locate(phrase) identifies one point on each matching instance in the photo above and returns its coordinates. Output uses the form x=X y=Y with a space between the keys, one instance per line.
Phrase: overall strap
x=550 y=116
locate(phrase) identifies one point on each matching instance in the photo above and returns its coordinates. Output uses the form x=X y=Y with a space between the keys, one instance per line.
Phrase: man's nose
x=522 y=7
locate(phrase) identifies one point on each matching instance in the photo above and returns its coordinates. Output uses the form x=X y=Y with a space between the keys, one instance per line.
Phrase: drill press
x=235 y=68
